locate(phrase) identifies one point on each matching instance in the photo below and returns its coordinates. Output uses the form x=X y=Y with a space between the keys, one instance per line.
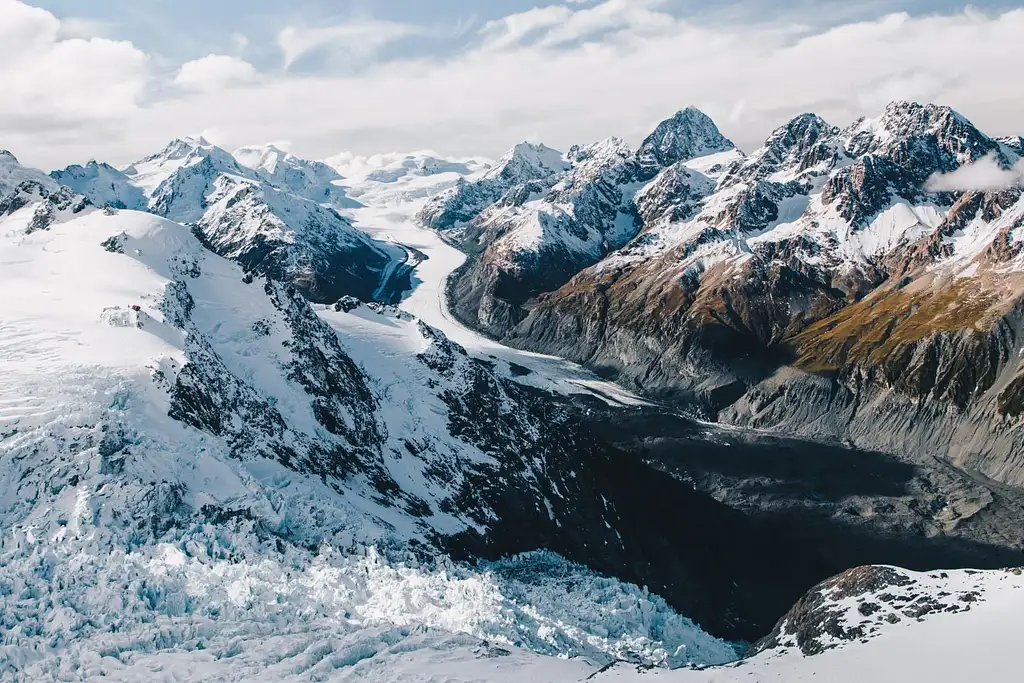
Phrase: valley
x=240 y=412
x=768 y=516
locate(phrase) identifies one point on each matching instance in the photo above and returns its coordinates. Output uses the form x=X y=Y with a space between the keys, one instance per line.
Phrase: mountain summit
x=689 y=134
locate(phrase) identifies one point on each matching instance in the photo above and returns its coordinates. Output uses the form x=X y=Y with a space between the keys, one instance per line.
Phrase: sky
x=116 y=80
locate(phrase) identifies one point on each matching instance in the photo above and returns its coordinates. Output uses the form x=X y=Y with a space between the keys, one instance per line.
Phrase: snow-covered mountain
x=804 y=287
x=313 y=180
x=272 y=212
x=103 y=184
x=23 y=188
x=524 y=163
x=204 y=474
x=186 y=448
x=398 y=167
x=531 y=224
x=688 y=135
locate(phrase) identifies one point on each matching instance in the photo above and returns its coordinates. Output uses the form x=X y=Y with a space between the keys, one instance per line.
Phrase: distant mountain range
x=819 y=285
x=272 y=212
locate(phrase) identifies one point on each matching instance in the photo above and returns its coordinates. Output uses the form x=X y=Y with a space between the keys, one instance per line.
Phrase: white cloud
x=214 y=72
x=557 y=25
x=575 y=73
x=240 y=41
x=355 y=41
x=511 y=30
x=55 y=88
x=636 y=18
x=79 y=27
x=984 y=175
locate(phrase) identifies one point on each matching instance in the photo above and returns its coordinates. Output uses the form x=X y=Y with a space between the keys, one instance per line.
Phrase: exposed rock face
x=30 y=190
x=689 y=134
x=543 y=230
x=815 y=286
x=674 y=195
x=524 y=164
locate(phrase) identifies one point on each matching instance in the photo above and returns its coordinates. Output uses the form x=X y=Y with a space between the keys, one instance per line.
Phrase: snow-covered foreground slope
x=942 y=627
x=195 y=469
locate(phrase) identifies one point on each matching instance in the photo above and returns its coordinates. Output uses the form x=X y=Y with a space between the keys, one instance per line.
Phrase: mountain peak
x=195 y=141
x=688 y=134
x=957 y=139
x=610 y=145
x=806 y=121
x=919 y=117
x=528 y=161
x=1014 y=142
x=13 y=173
x=533 y=151
x=266 y=157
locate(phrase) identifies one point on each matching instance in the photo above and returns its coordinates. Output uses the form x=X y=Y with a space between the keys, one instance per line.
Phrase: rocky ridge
x=533 y=231
x=815 y=286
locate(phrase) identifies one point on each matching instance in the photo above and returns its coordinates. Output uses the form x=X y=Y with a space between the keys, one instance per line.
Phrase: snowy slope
x=196 y=467
x=943 y=627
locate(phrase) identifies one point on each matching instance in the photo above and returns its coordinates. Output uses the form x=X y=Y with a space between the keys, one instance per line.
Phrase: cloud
x=79 y=27
x=52 y=84
x=513 y=29
x=559 y=25
x=984 y=175
x=214 y=72
x=355 y=41
x=568 y=73
x=240 y=41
